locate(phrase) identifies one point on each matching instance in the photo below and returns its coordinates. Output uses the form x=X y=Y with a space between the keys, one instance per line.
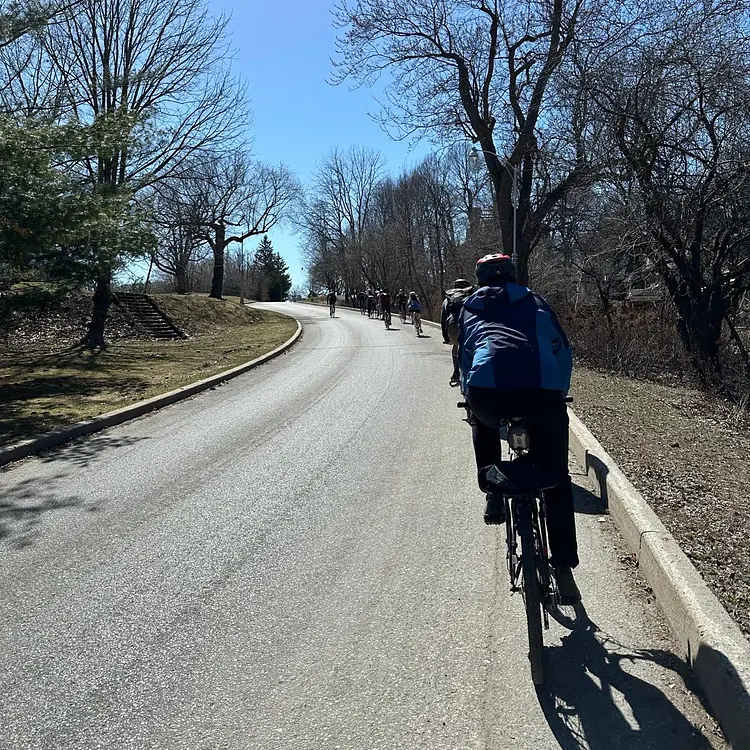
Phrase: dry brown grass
x=687 y=454
x=45 y=388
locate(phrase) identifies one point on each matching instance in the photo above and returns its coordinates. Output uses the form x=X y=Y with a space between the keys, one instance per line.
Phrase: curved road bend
x=296 y=560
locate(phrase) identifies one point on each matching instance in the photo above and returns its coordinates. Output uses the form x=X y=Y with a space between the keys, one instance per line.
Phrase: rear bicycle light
x=519 y=438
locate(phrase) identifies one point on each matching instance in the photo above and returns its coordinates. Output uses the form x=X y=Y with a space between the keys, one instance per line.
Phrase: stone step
x=144 y=314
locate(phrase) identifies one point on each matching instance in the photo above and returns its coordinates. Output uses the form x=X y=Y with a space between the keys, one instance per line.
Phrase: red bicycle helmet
x=495 y=267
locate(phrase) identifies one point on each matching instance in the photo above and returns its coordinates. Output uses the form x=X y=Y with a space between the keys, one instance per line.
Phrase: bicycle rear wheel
x=531 y=597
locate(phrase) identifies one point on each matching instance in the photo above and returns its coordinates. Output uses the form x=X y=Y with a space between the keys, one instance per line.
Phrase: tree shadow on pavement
x=23 y=507
x=590 y=701
x=83 y=452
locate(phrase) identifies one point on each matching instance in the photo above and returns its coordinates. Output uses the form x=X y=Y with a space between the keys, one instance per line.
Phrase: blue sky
x=284 y=51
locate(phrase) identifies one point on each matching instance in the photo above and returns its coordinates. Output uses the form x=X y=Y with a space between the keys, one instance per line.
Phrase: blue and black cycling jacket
x=509 y=337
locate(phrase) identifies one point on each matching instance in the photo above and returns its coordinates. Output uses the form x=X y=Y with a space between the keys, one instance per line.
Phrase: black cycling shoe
x=566 y=586
x=494 y=511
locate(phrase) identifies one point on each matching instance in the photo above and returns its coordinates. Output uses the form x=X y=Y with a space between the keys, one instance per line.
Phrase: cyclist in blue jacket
x=516 y=361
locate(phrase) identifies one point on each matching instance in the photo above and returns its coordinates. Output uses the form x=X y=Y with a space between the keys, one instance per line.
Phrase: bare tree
x=336 y=214
x=239 y=198
x=177 y=221
x=361 y=228
x=150 y=80
x=678 y=113
x=481 y=69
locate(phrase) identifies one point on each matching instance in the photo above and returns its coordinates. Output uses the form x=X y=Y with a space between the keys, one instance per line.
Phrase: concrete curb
x=709 y=639
x=57 y=437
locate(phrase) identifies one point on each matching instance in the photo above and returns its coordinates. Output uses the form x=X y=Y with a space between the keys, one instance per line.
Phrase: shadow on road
x=587 y=503
x=428 y=353
x=23 y=507
x=591 y=701
x=83 y=452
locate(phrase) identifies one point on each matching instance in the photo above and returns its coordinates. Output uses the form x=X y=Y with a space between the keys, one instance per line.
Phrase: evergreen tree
x=270 y=273
x=52 y=220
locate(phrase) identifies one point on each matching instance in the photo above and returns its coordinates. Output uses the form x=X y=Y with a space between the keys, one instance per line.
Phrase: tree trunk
x=181 y=278
x=94 y=338
x=699 y=325
x=734 y=333
x=148 y=275
x=217 y=282
x=523 y=250
x=606 y=305
x=510 y=219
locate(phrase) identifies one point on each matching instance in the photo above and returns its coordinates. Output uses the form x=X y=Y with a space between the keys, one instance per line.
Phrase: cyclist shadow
x=587 y=503
x=583 y=677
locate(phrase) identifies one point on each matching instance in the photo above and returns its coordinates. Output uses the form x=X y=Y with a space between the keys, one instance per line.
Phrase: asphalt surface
x=297 y=560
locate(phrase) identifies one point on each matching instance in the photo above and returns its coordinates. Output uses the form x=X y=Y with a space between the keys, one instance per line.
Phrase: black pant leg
x=549 y=441
x=487 y=447
x=561 y=524
x=485 y=432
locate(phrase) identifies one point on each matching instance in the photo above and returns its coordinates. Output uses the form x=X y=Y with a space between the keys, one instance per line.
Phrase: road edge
x=709 y=639
x=11 y=453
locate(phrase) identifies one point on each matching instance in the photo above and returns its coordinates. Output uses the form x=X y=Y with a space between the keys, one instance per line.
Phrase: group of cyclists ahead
x=378 y=304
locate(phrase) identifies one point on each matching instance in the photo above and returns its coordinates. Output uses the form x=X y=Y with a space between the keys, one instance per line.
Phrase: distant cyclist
x=401 y=302
x=452 y=304
x=385 y=308
x=370 y=303
x=331 y=303
x=415 y=308
x=362 y=302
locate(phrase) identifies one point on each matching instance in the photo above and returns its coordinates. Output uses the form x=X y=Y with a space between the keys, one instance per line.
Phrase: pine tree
x=271 y=274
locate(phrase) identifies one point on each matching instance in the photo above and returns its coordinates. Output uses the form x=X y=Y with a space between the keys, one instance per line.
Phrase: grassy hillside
x=47 y=382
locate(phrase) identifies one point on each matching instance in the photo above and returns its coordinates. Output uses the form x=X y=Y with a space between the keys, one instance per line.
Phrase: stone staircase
x=146 y=316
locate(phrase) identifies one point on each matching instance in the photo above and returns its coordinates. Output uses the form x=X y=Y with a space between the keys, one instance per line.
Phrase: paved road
x=297 y=560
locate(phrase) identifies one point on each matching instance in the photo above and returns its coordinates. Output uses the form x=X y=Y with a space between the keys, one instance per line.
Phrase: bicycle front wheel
x=531 y=597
